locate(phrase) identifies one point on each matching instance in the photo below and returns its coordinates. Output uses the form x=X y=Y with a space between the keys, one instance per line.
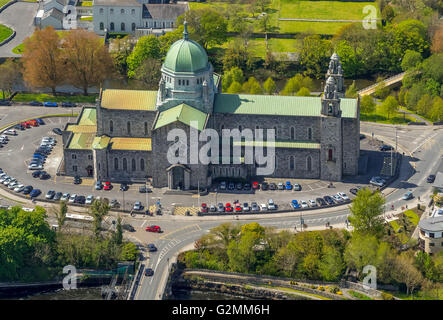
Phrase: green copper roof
x=186 y=55
x=88 y=117
x=81 y=141
x=278 y=105
x=184 y=114
x=100 y=142
x=293 y=144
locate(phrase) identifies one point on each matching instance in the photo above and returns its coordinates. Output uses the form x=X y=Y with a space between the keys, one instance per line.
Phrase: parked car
x=25 y=125
x=11 y=132
x=77 y=180
x=98 y=185
x=343 y=196
x=222 y=185
x=50 y=194
x=386 y=147
x=50 y=104
x=72 y=198
x=303 y=204
x=254 y=206
x=321 y=202
x=228 y=207
x=44 y=175
x=430 y=178
x=239 y=186
x=35 y=166
x=57 y=131
x=281 y=186
x=377 y=181
x=271 y=205
x=152 y=247
x=231 y=186
x=35 y=103
x=354 y=191
x=123 y=187
x=80 y=200
x=114 y=203
x=128 y=227
x=153 y=229
x=312 y=203
x=246 y=207
x=40 y=121
x=19 y=127
x=237 y=207
x=58 y=196
x=204 y=207
x=288 y=185
x=294 y=204
x=337 y=198
x=137 y=206
x=247 y=186
x=65 y=197
x=107 y=186
x=408 y=195
x=272 y=186
x=297 y=187
x=263 y=207
x=89 y=199
x=212 y=208
x=35 y=193
x=255 y=185
x=220 y=207
x=19 y=188
x=264 y=186
x=144 y=189
x=27 y=189
x=68 y=104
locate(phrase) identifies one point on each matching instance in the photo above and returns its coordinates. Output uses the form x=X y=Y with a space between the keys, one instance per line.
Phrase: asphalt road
x=19 y=16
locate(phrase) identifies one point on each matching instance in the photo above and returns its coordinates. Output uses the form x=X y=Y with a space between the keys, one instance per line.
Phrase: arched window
x=330 y=155
x=179 y=82
x=291 y=163
x=133 y=11
x=125 y=164
x=187 y=82
x=112 y=26
x=133 y=26
x=122 y=11
x=146 y=128
x=128 y=127
x=309 y=163
x=133 y=165
x=111 y=126
x=292 y=133
x=101 y=10
x=309 y=133
x=142 y=164
x=123 y=26
x=102 y=26
x=115 y=164
x=112 y=11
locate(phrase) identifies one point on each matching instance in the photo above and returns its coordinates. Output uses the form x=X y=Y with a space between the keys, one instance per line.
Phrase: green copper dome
x=186 y=55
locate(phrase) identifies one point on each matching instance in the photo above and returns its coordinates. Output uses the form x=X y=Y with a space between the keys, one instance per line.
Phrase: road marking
x=143 y=223
x=180 y=229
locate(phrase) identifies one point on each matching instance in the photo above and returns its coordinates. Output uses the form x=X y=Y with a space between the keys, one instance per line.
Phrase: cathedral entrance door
x=178 y=177
x=90 y=171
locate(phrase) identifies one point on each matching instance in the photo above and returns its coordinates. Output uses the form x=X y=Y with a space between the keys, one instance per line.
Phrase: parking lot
x=15 y=157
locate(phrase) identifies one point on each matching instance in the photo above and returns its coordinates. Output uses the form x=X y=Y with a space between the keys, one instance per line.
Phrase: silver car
x=89 y=199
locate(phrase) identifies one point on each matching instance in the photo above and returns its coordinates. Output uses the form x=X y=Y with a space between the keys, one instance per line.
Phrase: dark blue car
x=39 y=121
x=288 y=185
x=295 y=204
x=50 y=104
x=35 y=193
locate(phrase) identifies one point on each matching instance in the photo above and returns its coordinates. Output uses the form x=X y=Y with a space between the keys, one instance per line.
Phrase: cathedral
x=125 y=137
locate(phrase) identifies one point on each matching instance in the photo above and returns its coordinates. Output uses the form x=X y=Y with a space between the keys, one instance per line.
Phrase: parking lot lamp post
x=147 y=199
x=123 y=192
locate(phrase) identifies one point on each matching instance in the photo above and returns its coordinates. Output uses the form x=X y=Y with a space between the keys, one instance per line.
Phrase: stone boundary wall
x=10 y=37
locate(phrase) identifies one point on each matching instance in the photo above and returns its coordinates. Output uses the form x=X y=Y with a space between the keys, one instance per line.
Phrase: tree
x=206 y=26
x=351 y=92
x=99 y=210
x=410 y=60
x=149 y=73
x=9 y=74
x=60 y=213
x=436 y=112
x=366 y=210
x=122 y=48
x=235 y=74
x=437 y=40
x=146 y=47
x=331 y=265
x=412 y=35
x=293 y=85
x=367 y=105
x=269 y=86
x=389 y=106
x=87 y=61
x=266 y=25
x=252 y=86
x=350 y=59
x=381 y=90
x=425 y=264
x=235 y=87
x=42 y=60
x=388 y=13
x=314 y=55
x=303 y=92
x=361 y=251
x=407 y=273
x=129 y=252
x=424 y=105
x=237 y=55
x=118 y=234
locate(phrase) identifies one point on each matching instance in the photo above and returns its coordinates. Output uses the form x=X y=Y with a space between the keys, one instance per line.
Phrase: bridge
x=387 y=82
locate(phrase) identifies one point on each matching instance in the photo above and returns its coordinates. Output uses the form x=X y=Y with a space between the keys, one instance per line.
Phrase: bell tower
x=335 y=71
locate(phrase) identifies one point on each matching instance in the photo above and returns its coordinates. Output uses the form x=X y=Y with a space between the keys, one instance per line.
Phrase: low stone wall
x=7 y=5
x=8 y=38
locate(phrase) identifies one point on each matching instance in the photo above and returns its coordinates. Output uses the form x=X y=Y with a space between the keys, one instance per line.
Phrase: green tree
x=331 y=265
x=425 y=264
x=121 y=49
x=381 y=90
x=9 y=74
x=361 y=251
x=237 y=55
x=99 y=210
x=118 y=234
x=235 y=87
x=436 y=112
x=410 y=60
x=293 y=85
x=424 y=105
x=269 y=86
x=350 y=59
x=146 y=47
x=303 y=92
x=242 y=253
x=407 y=273
x=388 y=13
x=389 y=106
x=235 y=74
x=129 y=252
x=60 y=213
x=314 y=55
x=366 y=210
x=412 y=35
x=367 y=105
x=252 y=86
x=351 y=91
x=149 y=73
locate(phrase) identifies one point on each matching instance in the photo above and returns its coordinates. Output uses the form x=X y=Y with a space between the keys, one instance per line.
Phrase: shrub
x=387 y=296
x=333 y=289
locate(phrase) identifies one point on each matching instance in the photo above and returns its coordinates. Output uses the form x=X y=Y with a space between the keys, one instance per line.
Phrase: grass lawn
x=85 y=4
x=5 y=32
x=86 y=18
x=379 y=116
x=412 y=111
x=413 y=217
x=3 y=2
x=26 y=97
x=359 y=295
x=18 y=49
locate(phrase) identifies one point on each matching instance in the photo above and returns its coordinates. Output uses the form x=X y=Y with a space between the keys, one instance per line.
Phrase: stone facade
x=320 y=144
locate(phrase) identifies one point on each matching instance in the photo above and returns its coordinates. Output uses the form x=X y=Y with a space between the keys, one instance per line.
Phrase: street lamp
x=147 y=199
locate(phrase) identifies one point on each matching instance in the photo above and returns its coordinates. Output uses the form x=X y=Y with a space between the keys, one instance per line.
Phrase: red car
x=107 y=186
x=228 y=207
x=25 y=124
x=153 y=229
x=238 y=207
x=33 y=123
x=255 y=185
x=204 y=207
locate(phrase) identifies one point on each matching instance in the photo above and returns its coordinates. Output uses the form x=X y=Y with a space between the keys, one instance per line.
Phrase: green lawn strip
x=5 y=32
x=302 y=292
x=18 y=49
x=42 y=97
x=413 y=217
x=17 y=201
x=359 y=295
x=379 y=117
x=3 y=2
x=85 y=4
x=86 y=18
x=414 y=112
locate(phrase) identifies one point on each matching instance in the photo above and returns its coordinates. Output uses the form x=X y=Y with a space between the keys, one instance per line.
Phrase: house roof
x=164 y=11
x=100 y=142
x=139 y=144
x=278 y=105
x=438 y=182
x=81 y=129
x=183 y=113
x=128 y=99
x=281 y=144
x=55 y=13
x=81 y=141
x=431 y=224
x=88 y=117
